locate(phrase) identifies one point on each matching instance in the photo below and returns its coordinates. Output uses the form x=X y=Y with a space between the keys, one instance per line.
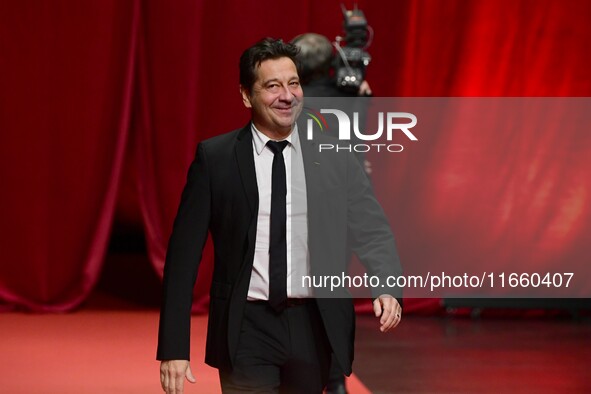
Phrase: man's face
x=276 y=98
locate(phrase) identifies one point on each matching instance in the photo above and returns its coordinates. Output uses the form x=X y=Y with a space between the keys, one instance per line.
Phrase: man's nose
x=286 y=94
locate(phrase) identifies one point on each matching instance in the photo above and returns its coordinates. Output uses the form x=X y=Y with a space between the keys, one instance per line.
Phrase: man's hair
x=315 y=56
x=266 y=49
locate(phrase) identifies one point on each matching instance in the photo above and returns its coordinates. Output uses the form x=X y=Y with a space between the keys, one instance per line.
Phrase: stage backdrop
x=83 y=84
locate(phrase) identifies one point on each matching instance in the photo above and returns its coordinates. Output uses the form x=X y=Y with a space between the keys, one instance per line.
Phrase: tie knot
x=277 y=146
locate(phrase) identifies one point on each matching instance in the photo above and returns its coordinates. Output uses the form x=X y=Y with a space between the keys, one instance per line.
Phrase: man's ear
x=245 y=97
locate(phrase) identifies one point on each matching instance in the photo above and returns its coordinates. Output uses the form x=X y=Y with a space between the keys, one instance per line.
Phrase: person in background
x=316 y=61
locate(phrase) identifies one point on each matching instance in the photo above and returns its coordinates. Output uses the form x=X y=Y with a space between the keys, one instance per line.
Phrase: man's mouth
x=284 y=110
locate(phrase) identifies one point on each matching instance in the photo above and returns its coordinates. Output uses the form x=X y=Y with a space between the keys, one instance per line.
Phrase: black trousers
x=286 y=352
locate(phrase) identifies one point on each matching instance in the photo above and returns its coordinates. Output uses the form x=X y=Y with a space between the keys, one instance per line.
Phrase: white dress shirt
x=298 y=260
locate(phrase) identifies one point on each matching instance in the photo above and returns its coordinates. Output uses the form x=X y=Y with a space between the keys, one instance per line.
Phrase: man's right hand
x=173 y=374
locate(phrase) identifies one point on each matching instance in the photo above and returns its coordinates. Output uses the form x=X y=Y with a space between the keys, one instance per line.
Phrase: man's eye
x=295 y=83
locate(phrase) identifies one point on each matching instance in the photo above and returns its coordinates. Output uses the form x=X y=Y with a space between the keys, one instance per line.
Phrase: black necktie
x=278 y=241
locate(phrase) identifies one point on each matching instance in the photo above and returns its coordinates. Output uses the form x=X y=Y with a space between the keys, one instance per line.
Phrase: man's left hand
x=388 y=310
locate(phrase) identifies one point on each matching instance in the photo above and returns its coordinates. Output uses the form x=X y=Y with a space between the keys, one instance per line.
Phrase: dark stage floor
x=464 y=355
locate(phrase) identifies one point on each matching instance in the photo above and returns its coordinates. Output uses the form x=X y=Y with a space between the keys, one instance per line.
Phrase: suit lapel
x=313 y=174
x=245 y=159
x=312 y=171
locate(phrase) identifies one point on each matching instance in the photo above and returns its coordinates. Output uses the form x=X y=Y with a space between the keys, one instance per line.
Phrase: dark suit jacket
x=221 y=197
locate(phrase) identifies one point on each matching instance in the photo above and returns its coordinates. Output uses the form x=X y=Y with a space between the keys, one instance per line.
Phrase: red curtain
x=65 y=104
x=84 y=83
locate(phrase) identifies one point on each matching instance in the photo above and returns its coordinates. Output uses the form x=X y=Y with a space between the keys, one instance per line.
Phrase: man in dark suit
x=277 y=210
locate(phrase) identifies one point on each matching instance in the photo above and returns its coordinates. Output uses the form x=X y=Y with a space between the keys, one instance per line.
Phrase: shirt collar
x=260 y=139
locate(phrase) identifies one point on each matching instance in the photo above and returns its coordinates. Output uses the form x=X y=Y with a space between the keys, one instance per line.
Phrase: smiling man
x=275 y=97
x=262 y=195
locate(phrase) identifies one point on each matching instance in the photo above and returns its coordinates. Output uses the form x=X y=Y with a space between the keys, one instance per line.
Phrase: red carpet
x=95 y=352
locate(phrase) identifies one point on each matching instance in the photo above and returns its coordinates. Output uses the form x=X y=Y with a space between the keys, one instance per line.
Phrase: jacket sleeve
x=370 y=236
x=183 y=256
